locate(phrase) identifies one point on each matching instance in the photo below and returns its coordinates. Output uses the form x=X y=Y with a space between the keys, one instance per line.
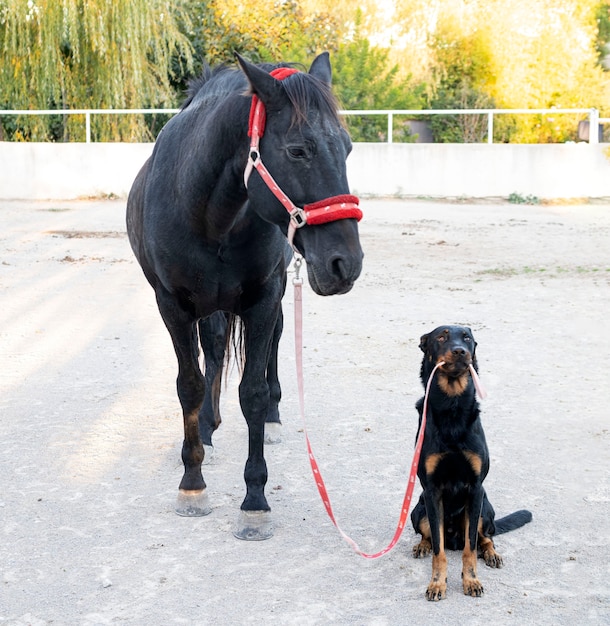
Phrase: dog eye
x=466 y=338
x=441 y=338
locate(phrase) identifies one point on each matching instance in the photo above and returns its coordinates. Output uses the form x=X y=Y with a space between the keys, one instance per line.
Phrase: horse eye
x=297 y=152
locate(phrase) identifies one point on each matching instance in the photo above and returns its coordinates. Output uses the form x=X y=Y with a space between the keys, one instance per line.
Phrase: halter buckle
x=298 y=217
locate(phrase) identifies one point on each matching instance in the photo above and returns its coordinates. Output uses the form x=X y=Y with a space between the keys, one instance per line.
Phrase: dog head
x=455 y=345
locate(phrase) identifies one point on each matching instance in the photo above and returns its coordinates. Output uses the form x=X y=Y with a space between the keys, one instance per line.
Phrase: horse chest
x=214 y=281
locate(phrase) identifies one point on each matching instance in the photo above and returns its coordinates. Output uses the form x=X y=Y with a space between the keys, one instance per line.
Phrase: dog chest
x=449 y=467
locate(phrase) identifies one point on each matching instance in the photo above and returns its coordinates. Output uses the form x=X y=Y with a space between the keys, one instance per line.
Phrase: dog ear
x=423 y=342
x=474 y=348
x=474 y=341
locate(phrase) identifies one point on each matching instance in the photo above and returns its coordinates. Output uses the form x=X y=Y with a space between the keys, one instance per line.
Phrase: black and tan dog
x=453 y=511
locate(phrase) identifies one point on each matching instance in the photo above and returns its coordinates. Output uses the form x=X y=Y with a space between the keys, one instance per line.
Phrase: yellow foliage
x=538 y=54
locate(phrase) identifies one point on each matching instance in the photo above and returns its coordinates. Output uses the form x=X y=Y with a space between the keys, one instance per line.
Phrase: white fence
x=577 y=170
x=592 y=115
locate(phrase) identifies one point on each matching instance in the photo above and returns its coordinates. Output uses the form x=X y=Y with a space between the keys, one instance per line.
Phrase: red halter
x=320 y=212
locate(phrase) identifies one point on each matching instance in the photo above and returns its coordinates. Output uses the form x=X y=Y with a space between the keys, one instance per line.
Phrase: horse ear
x=265 y=86
x=320 y=68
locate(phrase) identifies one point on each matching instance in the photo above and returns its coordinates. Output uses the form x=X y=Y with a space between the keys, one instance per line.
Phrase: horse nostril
x=338 y=268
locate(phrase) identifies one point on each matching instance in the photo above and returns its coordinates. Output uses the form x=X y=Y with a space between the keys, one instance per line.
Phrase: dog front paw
x=472 y=587
x=436 y=591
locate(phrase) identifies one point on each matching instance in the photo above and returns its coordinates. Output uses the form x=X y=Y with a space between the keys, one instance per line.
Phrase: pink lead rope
x=298 y=340
x=477 y=383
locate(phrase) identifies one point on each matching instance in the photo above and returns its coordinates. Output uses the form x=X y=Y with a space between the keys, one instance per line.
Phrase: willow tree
x=63 y=54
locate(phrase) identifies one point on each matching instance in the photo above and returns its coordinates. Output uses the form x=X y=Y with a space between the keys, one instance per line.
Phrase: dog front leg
x=437 y=589
x=472 y=585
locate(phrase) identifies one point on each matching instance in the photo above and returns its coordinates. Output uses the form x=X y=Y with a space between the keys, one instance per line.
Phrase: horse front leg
x=190 y=384
x=254 y=522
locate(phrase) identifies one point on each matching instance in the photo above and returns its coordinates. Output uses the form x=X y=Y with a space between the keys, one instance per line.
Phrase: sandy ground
x=91 y=430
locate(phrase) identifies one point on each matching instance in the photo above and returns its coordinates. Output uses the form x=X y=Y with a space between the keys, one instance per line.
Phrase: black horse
x=213 y=242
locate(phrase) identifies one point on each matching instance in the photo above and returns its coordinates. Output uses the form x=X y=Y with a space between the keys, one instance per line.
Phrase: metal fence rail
x=592 y=114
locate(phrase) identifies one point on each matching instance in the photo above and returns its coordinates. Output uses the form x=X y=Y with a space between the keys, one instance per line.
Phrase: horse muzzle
x=336 y=275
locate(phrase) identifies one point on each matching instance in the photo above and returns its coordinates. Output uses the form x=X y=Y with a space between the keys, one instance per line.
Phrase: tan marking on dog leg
x=487 y=549
x=470 y=582
x=437 y=589
x=424 y=547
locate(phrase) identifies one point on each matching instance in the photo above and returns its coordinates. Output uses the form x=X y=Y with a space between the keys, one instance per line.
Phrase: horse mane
x=303 y=90
x=195 y=85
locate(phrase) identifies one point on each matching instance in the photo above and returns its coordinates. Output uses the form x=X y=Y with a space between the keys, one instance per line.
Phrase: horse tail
x=235 y=345
x=513 y=521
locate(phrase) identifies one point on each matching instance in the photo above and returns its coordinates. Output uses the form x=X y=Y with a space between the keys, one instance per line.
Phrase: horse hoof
x=254 y=526
x=273 y=432
x=193 y=503
x=208 y=454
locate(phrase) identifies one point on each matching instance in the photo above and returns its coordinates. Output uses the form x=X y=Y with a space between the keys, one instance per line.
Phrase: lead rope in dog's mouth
x=298 y=340
x=477 y=383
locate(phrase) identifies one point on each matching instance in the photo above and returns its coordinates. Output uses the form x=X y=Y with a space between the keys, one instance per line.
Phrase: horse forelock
x=307 y=93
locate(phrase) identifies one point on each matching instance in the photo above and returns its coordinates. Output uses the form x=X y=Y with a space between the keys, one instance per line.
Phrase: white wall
x=40 y=171
x=480 y=170
x=61 y=171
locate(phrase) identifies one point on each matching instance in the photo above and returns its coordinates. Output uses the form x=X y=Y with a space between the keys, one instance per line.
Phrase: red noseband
x=330 y=209
x=327 y=210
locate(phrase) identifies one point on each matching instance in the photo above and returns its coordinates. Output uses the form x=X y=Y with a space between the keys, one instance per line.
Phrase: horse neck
x=214 y=170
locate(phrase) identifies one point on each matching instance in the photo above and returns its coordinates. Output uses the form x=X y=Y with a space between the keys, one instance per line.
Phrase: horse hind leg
x=216 y=340
x=192 y=495
x=273 y=424
x=213 y=338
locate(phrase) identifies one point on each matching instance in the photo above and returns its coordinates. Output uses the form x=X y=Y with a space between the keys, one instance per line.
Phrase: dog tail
x=513 y=521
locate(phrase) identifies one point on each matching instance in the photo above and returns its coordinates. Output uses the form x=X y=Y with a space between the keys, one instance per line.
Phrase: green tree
x=88 y=54
x=364 y=79
x=295 y=32
x=602 y=39
x=462 y=81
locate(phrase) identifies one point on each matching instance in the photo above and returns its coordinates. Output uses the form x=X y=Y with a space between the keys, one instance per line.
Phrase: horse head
x=304 y=147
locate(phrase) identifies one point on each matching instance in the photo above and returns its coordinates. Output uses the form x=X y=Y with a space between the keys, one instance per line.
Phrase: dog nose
x=458 y=351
